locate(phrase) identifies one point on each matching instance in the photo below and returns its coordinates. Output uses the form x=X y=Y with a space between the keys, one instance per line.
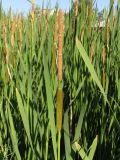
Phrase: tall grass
x=60 y=84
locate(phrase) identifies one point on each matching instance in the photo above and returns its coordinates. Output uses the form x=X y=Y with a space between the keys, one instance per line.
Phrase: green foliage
x=91 y=85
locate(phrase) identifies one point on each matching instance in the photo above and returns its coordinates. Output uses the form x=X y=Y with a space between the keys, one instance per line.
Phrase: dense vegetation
x=60 y=84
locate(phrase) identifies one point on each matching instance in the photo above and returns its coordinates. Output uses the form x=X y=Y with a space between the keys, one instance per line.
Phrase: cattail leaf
x=13 y=135
x=67 y=137
x=119 y=89
x=50 y=103
x=81 y=152
x=90 y=67
x=23 y=116
x=0 y=139
x=79 y=124
x=93 y=148
x=79 y=88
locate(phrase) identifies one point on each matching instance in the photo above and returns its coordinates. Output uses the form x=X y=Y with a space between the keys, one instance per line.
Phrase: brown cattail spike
x=56 y=30
x=55 y=45
x=76 y=8
x=33 y=9
x=60 y=47
x=32 y=14
x=103 y=55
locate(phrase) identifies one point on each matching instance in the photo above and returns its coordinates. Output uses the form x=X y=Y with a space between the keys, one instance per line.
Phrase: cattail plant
x=59 y=99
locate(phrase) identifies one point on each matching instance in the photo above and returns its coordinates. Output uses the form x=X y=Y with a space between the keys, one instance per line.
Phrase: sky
x=24 y=6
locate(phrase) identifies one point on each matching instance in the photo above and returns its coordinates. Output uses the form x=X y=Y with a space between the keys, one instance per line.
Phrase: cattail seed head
x=56 y=30
x=76 y=8
x=103 y=55
x=33 y=10
x=55 y=45
x=89 y=18
x=60 y=45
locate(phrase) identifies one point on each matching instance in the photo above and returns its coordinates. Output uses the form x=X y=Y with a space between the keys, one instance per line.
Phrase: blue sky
x=24 y=5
